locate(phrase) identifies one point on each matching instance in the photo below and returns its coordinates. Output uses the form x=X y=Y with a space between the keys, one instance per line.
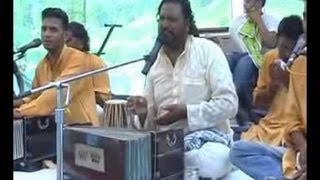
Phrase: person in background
x=77 y=37
x=272 y=87
x=261 y=160
x=254 y=33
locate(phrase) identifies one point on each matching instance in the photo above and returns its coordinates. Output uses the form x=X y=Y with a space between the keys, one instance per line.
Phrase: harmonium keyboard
x=34 y=140
x=102 y=153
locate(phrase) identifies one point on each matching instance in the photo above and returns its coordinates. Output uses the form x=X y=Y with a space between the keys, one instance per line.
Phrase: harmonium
x=103 y=153
x=34 y=140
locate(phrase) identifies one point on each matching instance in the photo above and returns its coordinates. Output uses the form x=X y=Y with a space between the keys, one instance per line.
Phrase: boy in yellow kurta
x=60 y=62
x=260 y=160
x=271 y=90
x=270 y=128
x=260 y=156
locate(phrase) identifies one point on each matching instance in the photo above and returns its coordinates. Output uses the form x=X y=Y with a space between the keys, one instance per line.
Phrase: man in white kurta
x=190 y=87
x=201 y=80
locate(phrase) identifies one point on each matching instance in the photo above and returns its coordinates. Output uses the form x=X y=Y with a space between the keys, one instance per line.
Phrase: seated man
x=255 y=33
x=77 y=37
x=261 y=160
x=271 y=90
x=190 y=87
x=61 y=62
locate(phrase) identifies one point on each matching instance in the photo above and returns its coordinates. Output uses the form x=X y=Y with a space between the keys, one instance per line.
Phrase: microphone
x=151 y=58
x=300 y=45
x=33 y=44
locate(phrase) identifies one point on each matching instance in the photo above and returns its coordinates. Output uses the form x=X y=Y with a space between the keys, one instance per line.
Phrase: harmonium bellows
x=18 y=149
x=92 y=153
x=121 y=154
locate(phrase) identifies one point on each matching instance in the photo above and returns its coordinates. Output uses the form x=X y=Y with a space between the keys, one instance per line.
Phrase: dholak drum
x=115 y=114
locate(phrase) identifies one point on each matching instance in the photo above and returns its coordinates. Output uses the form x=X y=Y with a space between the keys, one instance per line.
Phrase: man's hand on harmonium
x=175 y=113
x=137 y=105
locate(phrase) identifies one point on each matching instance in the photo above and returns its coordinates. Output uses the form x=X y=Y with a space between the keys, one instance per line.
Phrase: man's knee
x=238 y=150
x=243 y=85
x=232 y=59
x=246 y=70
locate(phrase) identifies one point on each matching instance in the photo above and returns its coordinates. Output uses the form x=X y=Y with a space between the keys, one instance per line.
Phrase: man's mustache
x=166 y=31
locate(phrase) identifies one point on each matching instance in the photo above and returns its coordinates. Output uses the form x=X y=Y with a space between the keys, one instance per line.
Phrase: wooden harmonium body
x=34 y=139
x=122 y=154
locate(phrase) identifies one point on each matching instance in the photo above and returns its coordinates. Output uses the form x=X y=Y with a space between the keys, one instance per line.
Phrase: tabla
x=115 y=114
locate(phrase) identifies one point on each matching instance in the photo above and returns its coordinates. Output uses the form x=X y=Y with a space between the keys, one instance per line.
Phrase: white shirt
x=270 y=22
x=201 y=79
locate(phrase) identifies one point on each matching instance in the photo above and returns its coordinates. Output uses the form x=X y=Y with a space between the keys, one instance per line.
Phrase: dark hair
x=290 y=27
x=263 y=3
x=56 y=13
x=80 y=32
x=187 y=12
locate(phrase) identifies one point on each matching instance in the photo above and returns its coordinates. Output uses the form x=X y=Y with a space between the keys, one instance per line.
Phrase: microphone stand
x=112 y=26
x=16 y=52
x=59 y=112
x=20 y=56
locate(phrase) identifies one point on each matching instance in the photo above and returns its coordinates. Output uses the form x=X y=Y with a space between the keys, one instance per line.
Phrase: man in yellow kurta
x=296 y=132
x=271 y=89
x=60 y=62
x=77 y=37
x=101 y=83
